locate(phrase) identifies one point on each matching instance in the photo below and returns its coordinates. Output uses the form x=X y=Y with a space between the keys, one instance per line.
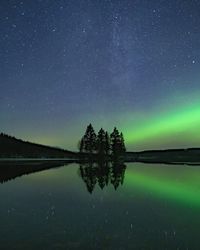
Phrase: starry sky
x=133 y=64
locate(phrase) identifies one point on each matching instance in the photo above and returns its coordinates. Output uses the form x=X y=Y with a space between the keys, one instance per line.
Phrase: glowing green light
x=185 y=189
x=165 y=125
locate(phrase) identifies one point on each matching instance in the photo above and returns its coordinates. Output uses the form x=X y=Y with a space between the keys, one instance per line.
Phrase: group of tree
x=103 y=145
x=102 y=174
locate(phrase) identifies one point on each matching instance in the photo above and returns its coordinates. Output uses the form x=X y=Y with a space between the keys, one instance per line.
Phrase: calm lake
x=144 y=206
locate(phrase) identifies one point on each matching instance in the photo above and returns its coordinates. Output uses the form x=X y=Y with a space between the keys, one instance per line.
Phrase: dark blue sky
x=64 y=64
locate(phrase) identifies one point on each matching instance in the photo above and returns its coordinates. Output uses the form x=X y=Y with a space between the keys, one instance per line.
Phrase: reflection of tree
x=102 y=173
x=88 y=174
x=117 y=175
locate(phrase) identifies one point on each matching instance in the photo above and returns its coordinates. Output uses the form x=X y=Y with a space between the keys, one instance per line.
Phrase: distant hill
x=11 y=147
x=189 y=155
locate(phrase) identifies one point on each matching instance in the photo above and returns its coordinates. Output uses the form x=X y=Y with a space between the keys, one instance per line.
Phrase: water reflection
x=157 y=208
x=92 y=173
x=11 y=171
x=102 y=173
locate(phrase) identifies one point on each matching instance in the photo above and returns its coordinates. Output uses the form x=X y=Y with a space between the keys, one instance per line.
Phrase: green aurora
x=161 y=128
x=180 y=124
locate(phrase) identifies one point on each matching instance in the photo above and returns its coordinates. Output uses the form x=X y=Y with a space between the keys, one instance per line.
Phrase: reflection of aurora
x=184 y=187
x=165 y=126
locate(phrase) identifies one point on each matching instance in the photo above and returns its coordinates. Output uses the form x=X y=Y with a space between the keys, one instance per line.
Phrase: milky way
x=130 y=64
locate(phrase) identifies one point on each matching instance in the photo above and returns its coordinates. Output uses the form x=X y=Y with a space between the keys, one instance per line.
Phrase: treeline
x=10 y=147
x=103 y=145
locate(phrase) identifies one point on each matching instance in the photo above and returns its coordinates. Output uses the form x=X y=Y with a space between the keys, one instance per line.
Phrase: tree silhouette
x=89 y=140
x=101 y=143
x=117 y=173
x=107 y=144
x=123 y=148
x=102 y=146
x=88 y=174
x=102 y=173
x=117 y=144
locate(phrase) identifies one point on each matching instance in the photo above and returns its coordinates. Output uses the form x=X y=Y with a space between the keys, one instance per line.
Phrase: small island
x=102 y=146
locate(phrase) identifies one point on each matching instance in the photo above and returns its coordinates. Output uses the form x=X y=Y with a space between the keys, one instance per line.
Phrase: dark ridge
x=189 y=155
x=11 y=147
x=167 y=150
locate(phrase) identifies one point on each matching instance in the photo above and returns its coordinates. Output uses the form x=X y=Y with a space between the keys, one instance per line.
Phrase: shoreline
x=37 y=161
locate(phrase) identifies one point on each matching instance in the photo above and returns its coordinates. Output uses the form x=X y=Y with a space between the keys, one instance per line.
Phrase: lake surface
x=145 y=206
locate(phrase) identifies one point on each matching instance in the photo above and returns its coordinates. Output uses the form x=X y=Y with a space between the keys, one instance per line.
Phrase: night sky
x=130 y=64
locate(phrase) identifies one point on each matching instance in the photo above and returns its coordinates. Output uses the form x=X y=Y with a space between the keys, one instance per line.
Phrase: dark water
x=143 y=207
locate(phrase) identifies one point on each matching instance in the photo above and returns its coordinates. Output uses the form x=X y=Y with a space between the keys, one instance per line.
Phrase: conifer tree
x=107 y=144
x=89 y=140
x=117 y=144
x=101 y=143
x=123 y=148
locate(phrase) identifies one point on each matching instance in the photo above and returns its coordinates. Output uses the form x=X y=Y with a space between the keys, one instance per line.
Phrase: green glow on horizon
x=185 y=190
x=170 y=125
x=165 y=125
